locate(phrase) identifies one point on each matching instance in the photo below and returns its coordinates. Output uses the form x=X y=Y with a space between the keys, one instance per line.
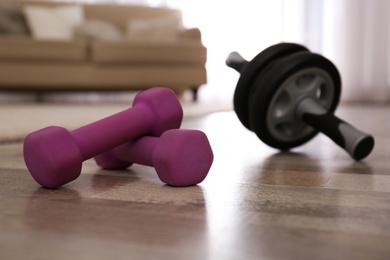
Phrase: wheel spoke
x=294 y=92
x=287 y=125
x=282 y=120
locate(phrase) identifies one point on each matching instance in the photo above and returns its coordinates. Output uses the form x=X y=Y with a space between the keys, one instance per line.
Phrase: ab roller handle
x=355 y=142
x=236 y=61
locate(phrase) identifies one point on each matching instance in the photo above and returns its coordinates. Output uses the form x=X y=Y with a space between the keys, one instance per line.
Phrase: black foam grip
x=355 y=142
x=327 y=124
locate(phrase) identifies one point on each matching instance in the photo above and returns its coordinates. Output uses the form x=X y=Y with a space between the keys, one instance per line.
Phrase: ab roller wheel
x=286 y=95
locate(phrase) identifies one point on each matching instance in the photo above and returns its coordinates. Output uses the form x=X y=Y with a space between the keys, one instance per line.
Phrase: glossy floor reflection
x=313 y=202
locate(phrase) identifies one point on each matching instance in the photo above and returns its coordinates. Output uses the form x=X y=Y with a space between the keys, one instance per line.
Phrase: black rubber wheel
x=277 y=91
x=250 y=72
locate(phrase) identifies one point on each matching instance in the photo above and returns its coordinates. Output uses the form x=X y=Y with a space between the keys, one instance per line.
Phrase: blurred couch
x=46 y=46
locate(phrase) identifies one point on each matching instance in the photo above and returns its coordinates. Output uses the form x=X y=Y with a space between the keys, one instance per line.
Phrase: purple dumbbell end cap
x=52 y=156
x=183 y=158
x=166 y=107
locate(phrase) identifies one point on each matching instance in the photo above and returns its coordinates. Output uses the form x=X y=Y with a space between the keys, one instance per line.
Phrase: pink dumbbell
x=54 y=155
x=180 y=157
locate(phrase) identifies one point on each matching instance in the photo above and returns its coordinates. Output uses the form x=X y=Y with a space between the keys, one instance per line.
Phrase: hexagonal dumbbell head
x=165 y=108
x=180 y=157
x=52 y=156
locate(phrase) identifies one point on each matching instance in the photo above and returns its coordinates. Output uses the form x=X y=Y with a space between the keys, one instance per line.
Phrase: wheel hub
x=282 y=121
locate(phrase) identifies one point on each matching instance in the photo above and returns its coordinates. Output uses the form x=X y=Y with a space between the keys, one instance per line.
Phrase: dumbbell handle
x=109 y=132
x=139 y=151
x=355 y=142
x=103 y=139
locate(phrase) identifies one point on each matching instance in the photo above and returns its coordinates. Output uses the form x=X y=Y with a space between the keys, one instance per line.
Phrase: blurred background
x=354 y=34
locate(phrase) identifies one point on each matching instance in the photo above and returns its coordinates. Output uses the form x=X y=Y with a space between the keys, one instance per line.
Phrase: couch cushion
x=53 y=23
x=156 y=29
x=97 y=30
x=180 y=52
x=120 y=15
x=12 y=20
x=24 y=48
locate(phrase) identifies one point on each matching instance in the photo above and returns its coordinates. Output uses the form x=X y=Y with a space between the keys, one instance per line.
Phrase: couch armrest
x=190 y=34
